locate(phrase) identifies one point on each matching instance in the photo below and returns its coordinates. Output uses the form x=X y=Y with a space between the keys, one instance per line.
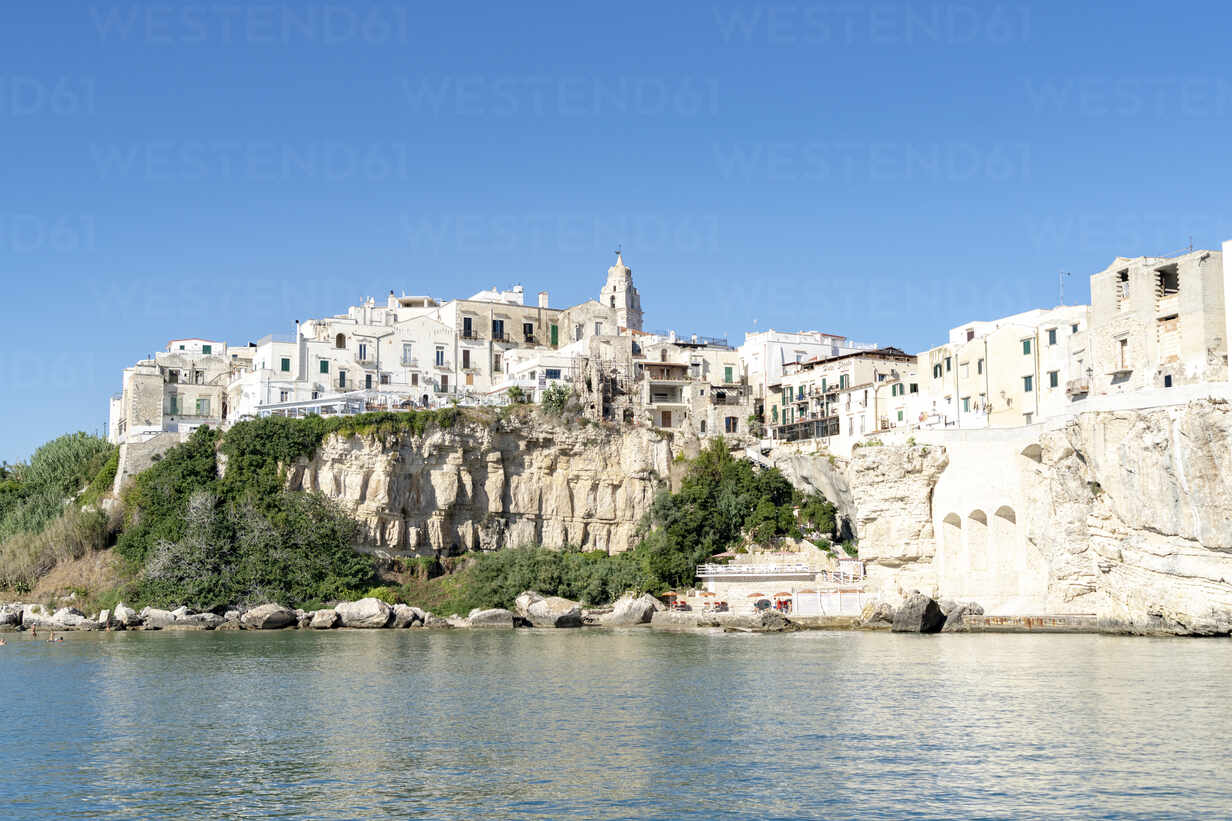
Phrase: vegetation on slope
x=38 y=525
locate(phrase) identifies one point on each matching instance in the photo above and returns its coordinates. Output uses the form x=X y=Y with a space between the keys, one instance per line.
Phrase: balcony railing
x=442 y=364
x=760 y=570
x=410 y=362
x=1076 y=386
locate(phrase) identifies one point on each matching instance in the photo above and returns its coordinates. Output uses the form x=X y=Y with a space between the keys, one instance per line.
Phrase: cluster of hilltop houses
x=1154 y=323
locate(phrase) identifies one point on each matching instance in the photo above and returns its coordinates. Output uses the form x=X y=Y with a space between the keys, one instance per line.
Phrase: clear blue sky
x=884 y=171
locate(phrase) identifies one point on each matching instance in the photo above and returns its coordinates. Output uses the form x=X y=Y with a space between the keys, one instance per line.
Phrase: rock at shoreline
x=124 y=616
x=628 y=611
x=10 y=615
x=199 y=621
x=494 y=617
x=954 y=621
x=154 y=619
x=180 y=612
x=435 y=621
x=405 y=616
x=70 y=618
x=369 y=613
x=323 y=619
x=104 y=619
x=772 y=621
x=550 y=611
x=880 y=614
x=918 y=614
x=268 y=617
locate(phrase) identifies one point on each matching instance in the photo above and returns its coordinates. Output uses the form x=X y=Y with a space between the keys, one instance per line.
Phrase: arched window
x=340 y=341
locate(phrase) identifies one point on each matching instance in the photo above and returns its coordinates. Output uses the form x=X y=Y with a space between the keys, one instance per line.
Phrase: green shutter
x=324 y=366
x=207 y=349
x=286 y=364
x=555 y=333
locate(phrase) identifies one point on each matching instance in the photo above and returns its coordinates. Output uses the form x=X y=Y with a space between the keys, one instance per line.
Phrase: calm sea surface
x=591 y=724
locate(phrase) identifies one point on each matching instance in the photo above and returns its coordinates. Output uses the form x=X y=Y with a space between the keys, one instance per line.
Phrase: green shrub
x=33 y=495
x=389 y=595
x=555 y=398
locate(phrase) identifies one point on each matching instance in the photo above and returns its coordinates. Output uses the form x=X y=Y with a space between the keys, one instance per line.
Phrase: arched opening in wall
x=1005 y=528
x=977 y=540
x=1033 y=452
x=340 y=341
x=951 y=544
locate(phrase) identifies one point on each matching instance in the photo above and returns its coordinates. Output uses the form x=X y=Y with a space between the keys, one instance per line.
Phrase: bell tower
x=619 y=293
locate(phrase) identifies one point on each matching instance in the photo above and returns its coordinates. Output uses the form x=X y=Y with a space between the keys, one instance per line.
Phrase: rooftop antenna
x=1061 y=286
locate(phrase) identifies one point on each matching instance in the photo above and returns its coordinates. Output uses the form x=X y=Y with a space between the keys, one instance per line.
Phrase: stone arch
x=950 y=547
x=1005 y=527
x=340 y=341
x=1033 y=452
x=977 y=540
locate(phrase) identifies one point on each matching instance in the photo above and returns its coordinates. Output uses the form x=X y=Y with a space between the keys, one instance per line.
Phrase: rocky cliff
x=1126 y=516
x=480 y=485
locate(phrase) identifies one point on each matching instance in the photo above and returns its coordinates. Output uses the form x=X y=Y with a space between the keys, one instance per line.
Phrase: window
x=915 y=388
x=1054 y=378
x=551 y=373
x=341 y=378
x=729 y=424
x=1026 y=418
x=774 y=413
x=181 y=347
x=340 y=341
x=173 y=405
x=1027 y=384
x=979 y=366
x=1123 y=352
x=414 y=379
x=324 y=366
x=363 y=352
x=1026 y=347
x=963 y=369
x=613 y=304
x=282 y=396
x=468 y=327
x=554 y=334
x=937 y=371
x=598 y=329
x=900 y=414
x=1073 y=328
x=1122 y=289
x=727 y=373
x=498 y=329
x=842 y=382
x=496 y=363
x=368 y=381
x=577 y=332
x=1167 y=380
x=470 y=379
x=1167 y=281
x=285 y=364
x=970 y=334
x=528 y=330
x=384 y=379
x=948 y=365
x=203 y=406
x=466 y=358
x=406 y=353
x=440 y=356
x=966 y=404
x=173 y=377
x=444 y=383
x=703 y=426
x=207 y=349
x=1052 y=336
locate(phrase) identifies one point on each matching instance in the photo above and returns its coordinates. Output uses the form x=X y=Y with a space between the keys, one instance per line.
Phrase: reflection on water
x=590 y=724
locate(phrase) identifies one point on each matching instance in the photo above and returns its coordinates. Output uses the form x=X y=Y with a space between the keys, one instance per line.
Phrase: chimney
x=543 y=299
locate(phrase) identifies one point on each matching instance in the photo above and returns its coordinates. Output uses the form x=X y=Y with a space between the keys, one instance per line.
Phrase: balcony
x=442 y=365
x=409 y=362
x=756 y=571
x=1077 y=386
x=469 y=333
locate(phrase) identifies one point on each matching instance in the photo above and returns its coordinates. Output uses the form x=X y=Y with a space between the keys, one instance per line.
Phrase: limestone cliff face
x=1123 y=515
x=1135 y=517
x=479 y=486
x=892 y=500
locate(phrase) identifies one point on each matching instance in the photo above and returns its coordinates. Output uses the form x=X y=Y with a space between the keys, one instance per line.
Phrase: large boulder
x=366 y=613
x=36 y=615
x=10 y=615
x=180 y=612
x=629 y=610
x=918 y=614
x=493 y=617
x=70 y=618
x=268 y=617
x=879 y=614
x=435 y=621
x=155 y=619
x=405 y=616
x=324 y=619
x=124 y=616
x=772 y=621
x=955 y=621
x=198 y=621
x=549 y=611
x=104 y=619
